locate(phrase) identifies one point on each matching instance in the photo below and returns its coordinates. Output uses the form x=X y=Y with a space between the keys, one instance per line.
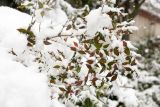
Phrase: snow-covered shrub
x=149 y=49
x=148 y=84
x=81 y=51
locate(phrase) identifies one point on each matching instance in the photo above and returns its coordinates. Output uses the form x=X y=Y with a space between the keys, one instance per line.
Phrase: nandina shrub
x=83 y=53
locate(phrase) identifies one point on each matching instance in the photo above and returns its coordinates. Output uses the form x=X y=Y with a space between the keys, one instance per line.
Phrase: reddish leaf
x=71 y=67
x=78 y=83
x=86 y=78
x=124 y=43
x=115 y=67
x=94 y=81
x=100 y=54
x=88 y=66
x=128 y=69
x=109 y=74
x=90 y=61
x=75 y=44
x=114 y=78
x=73 y=49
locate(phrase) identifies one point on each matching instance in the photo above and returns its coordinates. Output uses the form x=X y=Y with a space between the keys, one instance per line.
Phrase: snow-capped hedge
x=80 y=51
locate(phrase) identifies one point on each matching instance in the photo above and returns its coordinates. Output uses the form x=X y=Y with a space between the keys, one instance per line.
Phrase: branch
x=136 y=9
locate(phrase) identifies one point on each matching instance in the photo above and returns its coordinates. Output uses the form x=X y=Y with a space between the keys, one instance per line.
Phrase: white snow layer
x=96 y=21
x=20 y=86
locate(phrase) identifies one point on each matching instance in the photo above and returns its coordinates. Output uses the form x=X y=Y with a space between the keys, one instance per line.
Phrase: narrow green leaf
x=127 y=51
x=56 y=66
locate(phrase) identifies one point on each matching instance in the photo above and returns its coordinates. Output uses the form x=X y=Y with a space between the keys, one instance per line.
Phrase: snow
x=20 y=86
x=155 y=3
x=152 y=6
x=50 y=24
x=107 y=9
x=96 y=21
x=10 y=21
x=56 y=103
x=23 y=86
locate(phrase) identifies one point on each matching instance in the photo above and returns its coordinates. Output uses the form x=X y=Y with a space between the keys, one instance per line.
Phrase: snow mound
x=20 y=86
x=96 y=21
x=10 y=21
